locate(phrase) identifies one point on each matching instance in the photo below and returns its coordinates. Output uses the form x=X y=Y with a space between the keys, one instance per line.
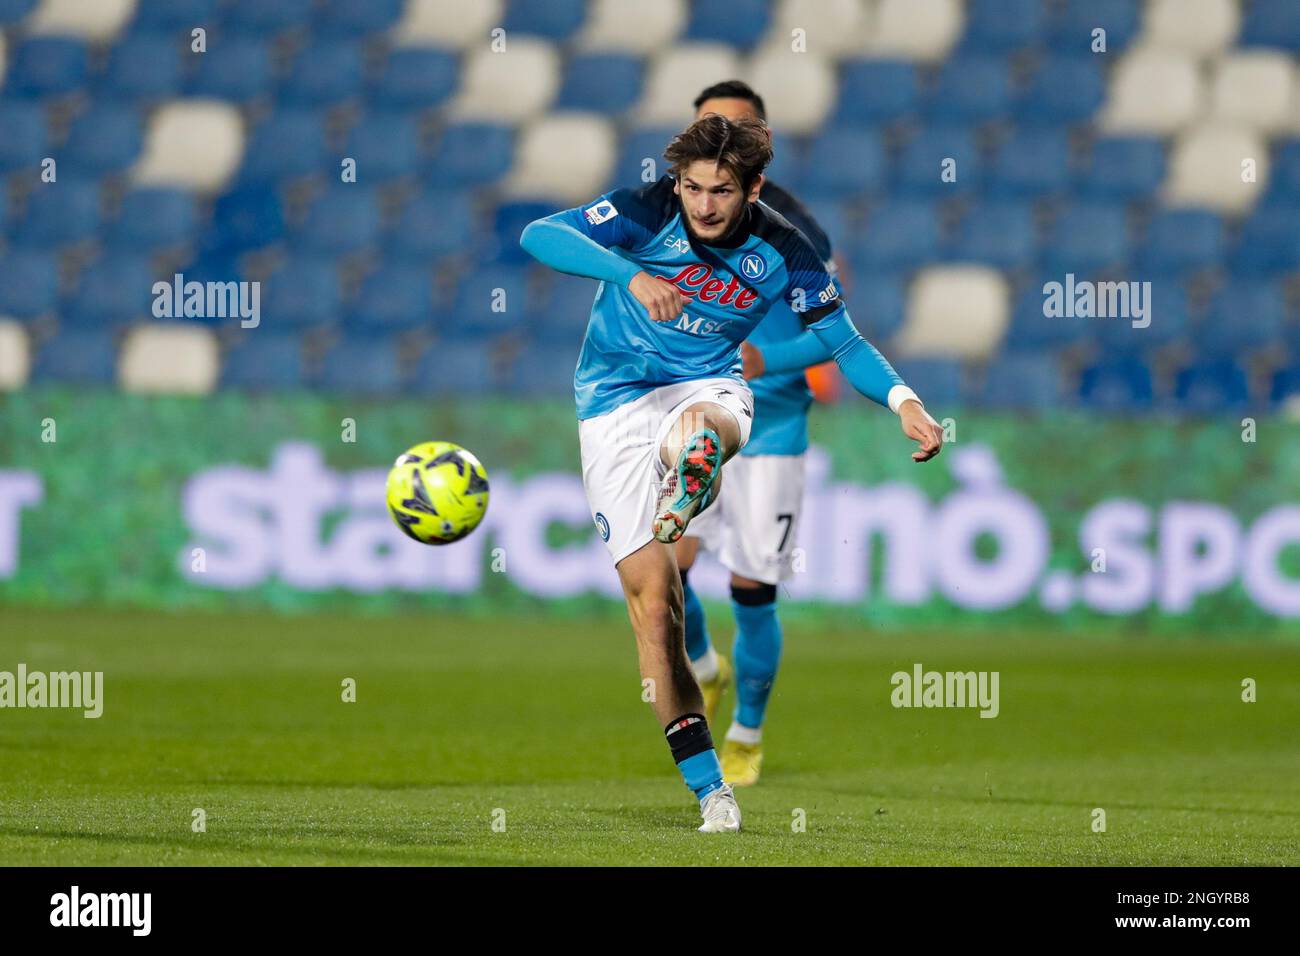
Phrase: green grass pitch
x=459 y=717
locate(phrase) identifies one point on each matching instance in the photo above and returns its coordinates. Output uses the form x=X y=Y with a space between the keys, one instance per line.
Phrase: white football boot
x=720 y=811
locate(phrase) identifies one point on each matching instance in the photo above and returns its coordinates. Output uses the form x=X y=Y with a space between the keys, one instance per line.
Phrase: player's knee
x=754 y=596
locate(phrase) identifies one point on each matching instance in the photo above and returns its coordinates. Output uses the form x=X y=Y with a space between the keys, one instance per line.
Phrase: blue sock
x=702 y=773
x=757 y=651
x=692 y=747
x=697 y=629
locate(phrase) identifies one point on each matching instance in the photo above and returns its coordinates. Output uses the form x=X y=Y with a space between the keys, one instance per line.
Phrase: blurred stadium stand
x=225 y=165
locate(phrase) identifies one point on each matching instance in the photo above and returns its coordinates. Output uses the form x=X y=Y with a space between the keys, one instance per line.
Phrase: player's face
x=712 y=200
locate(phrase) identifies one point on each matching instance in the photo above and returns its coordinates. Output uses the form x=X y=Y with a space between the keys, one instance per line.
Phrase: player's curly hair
x=742 y=146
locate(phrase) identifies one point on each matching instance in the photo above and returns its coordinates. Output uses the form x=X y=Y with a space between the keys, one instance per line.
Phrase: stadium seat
x=1243 y=315
x=484 y=290
x=1199 y=27
x=26 y=138
x=323 y=74
x=144 y=67
x=1180 y=240
x=151 y=219
x=921 y=166
x=676 y=77
x=1034 y=331
x=12 y=11
x=742 y=23
x=1086 y=238
x=970 y=89
x=1205 y=168
x=833 y=218
x=4 y=210
x=304 y=291
x=564 y=313
x=448 y=23
x=898 y=234
x=31 y=283
x=386 y=146
x=80 y=356
x=234 y=68
x=508 y=224
x=97 y=21
x=939 y=380
x=455 y=368
x=601 y=82
x=1003 y=25
x=1212 y=386
x=113 y=290
x=1256 y=89
x=175 y=14
x=248 y=217
x=47 y=66
x=342 y=219
x=1071 y=29
x=797 y=88
x=193 y=143
x=1021 y=381
x=1064 y=89
x=657 y=26
x=1033 y=162
x=1272 y=23
x=394 y=296
x=841 y=163
x=999 y=234
x=565 y=155
x=287 y=144
x=361 y=365
x=542 y=369
x=1268 y=242
x=432 y=225
x=15 y=356
x=553 y=20
x=105 y=139
x=873 y=91
x=415 y=79
x=259 y=18
x=169 y=358
x=1166 y=309
x=347 y=18
x=878 y=304
x=264 y=361
x=1123 y=167
x=1121 y=384
x=508 y=89
x=1284 y=176
x=1285 y=385
x=955 y=311
x=915 y=29
x=637 y=147
x=60 y=213
x=1153 y=91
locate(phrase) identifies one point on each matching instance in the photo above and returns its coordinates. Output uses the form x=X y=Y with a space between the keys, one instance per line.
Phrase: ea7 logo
x=677 y=244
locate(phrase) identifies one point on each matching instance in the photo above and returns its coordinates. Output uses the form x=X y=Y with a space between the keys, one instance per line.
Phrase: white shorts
x=621 y=467
x=752 y=527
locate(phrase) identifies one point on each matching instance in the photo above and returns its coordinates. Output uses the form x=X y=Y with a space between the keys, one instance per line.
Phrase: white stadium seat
x=1153 y=91
x=632 y=26
x=798 y=88
x=1258 y=89
x=172 y=358
x=511 y=87
x=565 y=155
x=830 y=28
x=1205 y=168
x=916 y=29
x=196 y=143
x=954 y=312
x=91 y=19
x=1197 y=27
x=448 y=23
x=15 y=360
x=676 y=77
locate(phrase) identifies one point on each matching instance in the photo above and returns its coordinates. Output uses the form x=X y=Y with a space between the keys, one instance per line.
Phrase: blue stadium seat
x=60 y=213
x=1272 y=23
x=342 y=219
x=323 y=74
x=738 y=23
x=153 y=218
x=998 y=234
x=432 y=225
x=455 y=368
x=1023 y=380
x=1268 y=243
x=1085 y=239
x=1244 y=314
x=508 y=225
x=638 y=146
x=898 y=233
x=47 y=66
x=304 y=291
x=872 y=91
x=214 y=265
x=921 y=165
x=1169 y=322
x=970 y=88
x=143 y=66
x=248 y=217
x=832 y=216
x=11 y=11
x=105 y=139
x=31 y=283
x=561 y=318
x=386 y=146
x=1033 y=162
x=878 y=304
x=26 y=135
x=1032 y=330
x=1181 y=240
x=395 y=296
x=472 y=154
x=477 y=296
x=80 y=356
x=4 y=210
x=414 y=78
x=113 y=290
x=544 y=370
x=1124 y=167
x=1211 y=386
x=1120 y=384
x=176 y=14
x=1003 y=25
x=940 y=381
x=234 y=68
x=347 y=18
x=1064 y=89
x=842 y=162
x=263 y=361
x=259 y=18
x=288 y=144
x=554 y=20
x=1071 y=29
x=601 y=83
x=1284 y=180
x=1285 y=386
x=361 y=365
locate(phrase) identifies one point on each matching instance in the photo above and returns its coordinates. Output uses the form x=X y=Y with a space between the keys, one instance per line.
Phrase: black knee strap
x=754 y=597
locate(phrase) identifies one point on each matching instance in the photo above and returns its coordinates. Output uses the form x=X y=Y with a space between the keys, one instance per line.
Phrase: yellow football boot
x=714 y=689
x=741 y=763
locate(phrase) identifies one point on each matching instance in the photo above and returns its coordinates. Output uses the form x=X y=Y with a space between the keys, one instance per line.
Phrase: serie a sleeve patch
x=603 y=211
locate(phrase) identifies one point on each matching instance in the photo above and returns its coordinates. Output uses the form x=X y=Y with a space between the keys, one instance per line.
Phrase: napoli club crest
x=753 y=266
x=602 y=525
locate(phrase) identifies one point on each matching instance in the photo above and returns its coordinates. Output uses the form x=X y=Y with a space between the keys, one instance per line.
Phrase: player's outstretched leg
x=712 y=670
x=702 y=438
x=654 y=605
x=758 y=653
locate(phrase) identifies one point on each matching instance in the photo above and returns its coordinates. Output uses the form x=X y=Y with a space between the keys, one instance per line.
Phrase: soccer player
x=753 y=527
x=688 y=266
